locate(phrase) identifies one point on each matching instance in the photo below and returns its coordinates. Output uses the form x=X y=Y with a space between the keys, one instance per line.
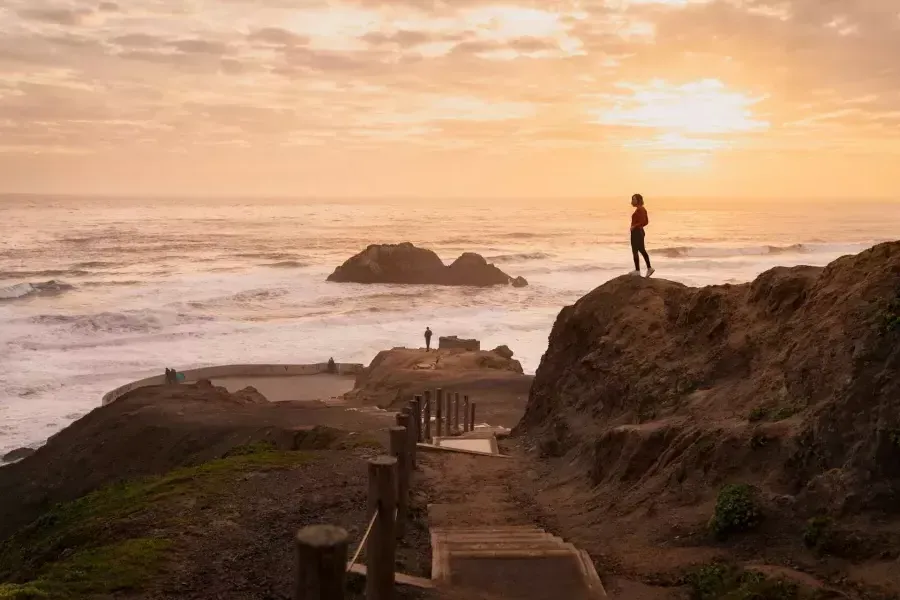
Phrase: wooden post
x=400 y=451
x=417 y=412
x=406 y=419
x=427 y=417
x=382 y=543
x=412 y=437
x=472 y=416
x=321 y=563
x=456 y=412
x=439 y=416
x=466 y=425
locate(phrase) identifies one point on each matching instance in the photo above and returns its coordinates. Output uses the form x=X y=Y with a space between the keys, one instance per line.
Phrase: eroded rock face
x=656 y=387
x=408 y=264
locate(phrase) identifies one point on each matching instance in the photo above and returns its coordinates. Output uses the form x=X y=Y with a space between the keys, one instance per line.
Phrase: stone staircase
x=516 y=562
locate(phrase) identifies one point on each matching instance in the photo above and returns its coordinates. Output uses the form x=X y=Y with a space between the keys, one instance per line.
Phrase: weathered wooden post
x=439 y=416
x=321 y=552
x=382 y=542
x=400 y=451
x=466 y=424
x=456 y=412
x=427 y=417
x=472 y=416
x=417 y=411
x=412 y=436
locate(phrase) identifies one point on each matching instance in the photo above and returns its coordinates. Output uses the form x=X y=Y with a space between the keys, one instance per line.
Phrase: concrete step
x=498 y=539
x=466 y=548
x=489 y=529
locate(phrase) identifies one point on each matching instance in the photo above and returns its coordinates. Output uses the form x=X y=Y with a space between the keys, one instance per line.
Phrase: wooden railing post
x=417 y=415
x=400 y=451
x=382 y=542
x=321 y=553
x=412 y=434
x=472 y=416
x=466 y=425
x=427 y=417
x=439 y=416
x=456 y=412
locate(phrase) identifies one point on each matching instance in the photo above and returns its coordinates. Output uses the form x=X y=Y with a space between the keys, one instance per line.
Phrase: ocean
x=95 y=292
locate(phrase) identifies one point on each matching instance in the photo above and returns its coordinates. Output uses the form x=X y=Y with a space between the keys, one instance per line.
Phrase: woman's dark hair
x=639 y=198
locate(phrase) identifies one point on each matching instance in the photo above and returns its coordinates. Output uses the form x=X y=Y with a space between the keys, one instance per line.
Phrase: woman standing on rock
x=639 y=220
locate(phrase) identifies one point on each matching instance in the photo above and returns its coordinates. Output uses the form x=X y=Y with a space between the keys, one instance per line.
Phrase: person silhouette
x=639 y=220
x=428 y=339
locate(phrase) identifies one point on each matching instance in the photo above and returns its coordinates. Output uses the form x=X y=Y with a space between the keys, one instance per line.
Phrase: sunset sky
x=476 y=98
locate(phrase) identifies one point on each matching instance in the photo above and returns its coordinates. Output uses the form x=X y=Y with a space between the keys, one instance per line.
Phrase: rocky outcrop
x=790 y=383
x=395 y=375
x=408 y=264
x=451 y=342
x=17 y=454
x=503 y=351
x=519 y=282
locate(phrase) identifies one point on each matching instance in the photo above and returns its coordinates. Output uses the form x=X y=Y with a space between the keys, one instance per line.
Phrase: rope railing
x=362 y=542
x=322 y=550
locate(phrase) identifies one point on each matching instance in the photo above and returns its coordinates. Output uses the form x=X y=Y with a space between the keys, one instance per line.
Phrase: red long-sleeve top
x=640 y=219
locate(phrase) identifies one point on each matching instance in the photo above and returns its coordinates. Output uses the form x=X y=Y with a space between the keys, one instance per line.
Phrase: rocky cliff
x=660 y=394
x=408 y=264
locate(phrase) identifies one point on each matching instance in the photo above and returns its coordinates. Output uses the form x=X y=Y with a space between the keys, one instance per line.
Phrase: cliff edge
x=657 y=397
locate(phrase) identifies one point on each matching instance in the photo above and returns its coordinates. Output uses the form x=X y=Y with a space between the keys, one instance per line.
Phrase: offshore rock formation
x=408 y=264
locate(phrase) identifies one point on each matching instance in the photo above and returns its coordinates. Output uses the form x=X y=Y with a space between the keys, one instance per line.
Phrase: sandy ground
x=301 y=388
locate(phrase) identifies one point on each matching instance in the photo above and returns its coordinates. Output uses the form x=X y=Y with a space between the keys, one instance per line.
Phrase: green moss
x=96 y=571
x=736 y=510
x=79 y=538
x=894 y=436
x=726 y=582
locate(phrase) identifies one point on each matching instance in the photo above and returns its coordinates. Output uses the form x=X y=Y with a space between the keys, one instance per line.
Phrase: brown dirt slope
x=152 y=430
x=659 y=394
x=495 y=382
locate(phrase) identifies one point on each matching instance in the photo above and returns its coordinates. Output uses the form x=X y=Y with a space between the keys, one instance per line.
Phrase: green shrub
x=758 y=414
x=719 y=581
x=736 y=510
x=817 y=532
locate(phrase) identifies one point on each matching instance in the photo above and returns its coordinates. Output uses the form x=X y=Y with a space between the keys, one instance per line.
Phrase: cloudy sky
x=470 y=98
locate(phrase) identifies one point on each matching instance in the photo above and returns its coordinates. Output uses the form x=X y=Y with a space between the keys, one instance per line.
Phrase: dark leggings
x=638 y=248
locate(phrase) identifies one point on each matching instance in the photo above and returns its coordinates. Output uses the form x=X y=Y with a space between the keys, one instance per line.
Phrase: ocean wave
x=23 y=290
x=45 y=273
x=142 y=321
x=286 y=264
x=725 y=252
x=519 y=257
x=266 y=255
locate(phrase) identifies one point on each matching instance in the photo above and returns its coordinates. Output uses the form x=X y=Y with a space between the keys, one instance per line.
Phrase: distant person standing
x=639 y=220
x=428 y=339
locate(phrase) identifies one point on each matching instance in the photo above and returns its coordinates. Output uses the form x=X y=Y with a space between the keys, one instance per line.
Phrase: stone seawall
x=220 y=371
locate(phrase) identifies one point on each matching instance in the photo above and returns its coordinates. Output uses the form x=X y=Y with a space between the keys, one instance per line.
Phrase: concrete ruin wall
x=220 y=371
x=454 y=343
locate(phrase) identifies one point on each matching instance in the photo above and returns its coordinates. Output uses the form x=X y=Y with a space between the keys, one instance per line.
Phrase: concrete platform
x=484 y=445
x=299 y=388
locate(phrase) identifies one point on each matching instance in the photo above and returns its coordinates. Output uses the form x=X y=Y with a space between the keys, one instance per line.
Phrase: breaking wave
x=519 y=257
x=725 y=252
x=23 y=290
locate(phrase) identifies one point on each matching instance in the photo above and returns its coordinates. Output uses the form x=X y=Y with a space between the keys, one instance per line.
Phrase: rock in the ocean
x=18 y=454
x=503 y=351
x=519 y=282
x=473 y=269
x=408 y=264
